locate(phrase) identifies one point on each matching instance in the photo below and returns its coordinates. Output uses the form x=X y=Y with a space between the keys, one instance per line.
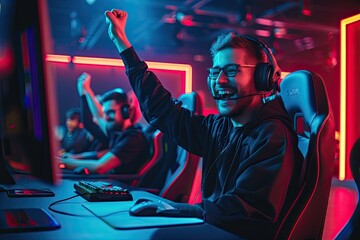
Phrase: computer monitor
x=28 y=102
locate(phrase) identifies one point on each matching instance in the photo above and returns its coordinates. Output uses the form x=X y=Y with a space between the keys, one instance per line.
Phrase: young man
x=92 y=107
x=251 y=163
x=128 y=147
x=76 y=139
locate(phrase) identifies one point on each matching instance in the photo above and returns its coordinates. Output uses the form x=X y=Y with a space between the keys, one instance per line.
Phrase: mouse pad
x=116 y=214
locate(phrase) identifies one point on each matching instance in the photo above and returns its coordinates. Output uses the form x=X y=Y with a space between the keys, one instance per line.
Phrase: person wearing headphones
x=251 y=162
x=128 y=147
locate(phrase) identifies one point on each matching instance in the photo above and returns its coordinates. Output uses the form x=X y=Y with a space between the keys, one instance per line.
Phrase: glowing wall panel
x=349 y=87
x=109 y=73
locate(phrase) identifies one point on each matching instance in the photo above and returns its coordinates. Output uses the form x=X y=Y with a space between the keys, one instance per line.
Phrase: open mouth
x=225 y=94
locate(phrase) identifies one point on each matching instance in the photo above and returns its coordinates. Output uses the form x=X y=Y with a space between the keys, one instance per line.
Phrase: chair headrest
x=304 y=95
x=191 y=101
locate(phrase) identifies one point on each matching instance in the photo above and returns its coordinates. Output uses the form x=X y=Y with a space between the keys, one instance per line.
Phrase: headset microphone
x=235 y=98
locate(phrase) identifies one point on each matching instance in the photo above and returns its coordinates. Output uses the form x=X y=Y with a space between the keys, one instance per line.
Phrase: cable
x=66 y=213
x=109 y=214
x=208 y=172
x=231 y=141
x=78 y=215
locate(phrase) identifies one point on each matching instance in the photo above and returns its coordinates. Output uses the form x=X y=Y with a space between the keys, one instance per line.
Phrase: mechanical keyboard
x=102 y=191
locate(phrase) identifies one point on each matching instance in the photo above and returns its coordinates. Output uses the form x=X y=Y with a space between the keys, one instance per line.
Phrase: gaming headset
x=118 y=95
x=125 y=111
x=266 y=74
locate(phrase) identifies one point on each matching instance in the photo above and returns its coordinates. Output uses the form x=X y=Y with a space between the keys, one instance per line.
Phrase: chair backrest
x=155 y=138
x=181 y=172
x=305 y=98
x=351 y=230
x=172 y=175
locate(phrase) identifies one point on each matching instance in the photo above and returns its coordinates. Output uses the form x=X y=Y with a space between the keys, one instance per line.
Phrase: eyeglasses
x=230 y=70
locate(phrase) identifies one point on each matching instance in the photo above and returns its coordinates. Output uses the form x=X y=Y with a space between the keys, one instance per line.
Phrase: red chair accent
x=304 y=95
x=173 y=175
x=157 y=153
x=179 y=179
x=351 y=230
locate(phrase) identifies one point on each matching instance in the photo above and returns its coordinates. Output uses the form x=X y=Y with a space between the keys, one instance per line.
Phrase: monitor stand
x=5 y=176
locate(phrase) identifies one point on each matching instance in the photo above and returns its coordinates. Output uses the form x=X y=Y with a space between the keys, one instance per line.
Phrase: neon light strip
x=58 y=58
x=342 y=150
x=284 y=74
x=175 y=67
x=117 y=62
x=98 y=61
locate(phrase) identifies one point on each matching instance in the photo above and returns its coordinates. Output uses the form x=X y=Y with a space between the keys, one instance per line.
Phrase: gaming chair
x=181 y=173
x=155 y=138
x=173 y=175
x=351 y=230
x=305 y=98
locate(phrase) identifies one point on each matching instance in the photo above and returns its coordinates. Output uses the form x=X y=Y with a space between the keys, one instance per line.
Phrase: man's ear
x=132 y=114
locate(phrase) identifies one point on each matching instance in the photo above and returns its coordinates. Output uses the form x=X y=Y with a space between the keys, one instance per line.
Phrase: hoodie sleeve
x=159 y=108
x=89 y=125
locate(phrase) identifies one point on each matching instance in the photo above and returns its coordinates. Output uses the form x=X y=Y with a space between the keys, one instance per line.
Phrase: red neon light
x=6 y=60
x=306 y=12
x=118 y=62
x=57 y=58
x=262 y=33
x=284 y=74
x=343 y=78
x=263 y=21
x=98 y=61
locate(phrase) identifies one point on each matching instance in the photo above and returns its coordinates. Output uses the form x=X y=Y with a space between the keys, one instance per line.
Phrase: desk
x=89 y=226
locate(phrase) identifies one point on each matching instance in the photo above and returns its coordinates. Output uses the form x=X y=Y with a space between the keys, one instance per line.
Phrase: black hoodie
x=250 y=173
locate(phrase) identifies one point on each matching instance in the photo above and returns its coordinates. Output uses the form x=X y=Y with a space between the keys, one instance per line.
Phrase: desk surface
x=87 y=226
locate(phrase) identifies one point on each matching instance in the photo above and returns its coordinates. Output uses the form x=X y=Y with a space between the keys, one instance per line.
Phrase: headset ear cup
x=125 y=111
x=263 y=76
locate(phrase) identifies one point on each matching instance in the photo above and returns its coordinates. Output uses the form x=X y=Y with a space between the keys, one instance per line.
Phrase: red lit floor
x=342 y=203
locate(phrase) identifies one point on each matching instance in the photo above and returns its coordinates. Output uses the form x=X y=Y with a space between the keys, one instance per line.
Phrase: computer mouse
x=81 y=170
x=144 y=199
x=152 y=207
x=144 y=207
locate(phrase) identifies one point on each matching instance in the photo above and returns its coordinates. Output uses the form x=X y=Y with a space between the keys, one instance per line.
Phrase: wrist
x=81 y=92
x=122 y=45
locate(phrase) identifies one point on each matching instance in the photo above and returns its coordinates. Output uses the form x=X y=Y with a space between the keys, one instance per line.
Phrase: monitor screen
x=28 y=101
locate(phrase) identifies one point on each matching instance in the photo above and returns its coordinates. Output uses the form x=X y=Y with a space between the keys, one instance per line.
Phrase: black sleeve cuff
x=129 y=57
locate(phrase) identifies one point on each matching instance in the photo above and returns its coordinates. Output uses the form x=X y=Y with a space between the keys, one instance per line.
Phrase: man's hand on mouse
x=187 y=210
x=165 y=205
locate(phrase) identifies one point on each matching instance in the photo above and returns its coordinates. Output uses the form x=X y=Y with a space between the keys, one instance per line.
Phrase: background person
x=76 y=139
x=128 y=147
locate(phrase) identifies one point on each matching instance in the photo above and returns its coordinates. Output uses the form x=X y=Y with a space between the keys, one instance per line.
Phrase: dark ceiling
x=289 y=27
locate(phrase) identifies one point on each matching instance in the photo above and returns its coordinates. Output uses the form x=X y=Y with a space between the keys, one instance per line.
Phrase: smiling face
x=242 y=84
